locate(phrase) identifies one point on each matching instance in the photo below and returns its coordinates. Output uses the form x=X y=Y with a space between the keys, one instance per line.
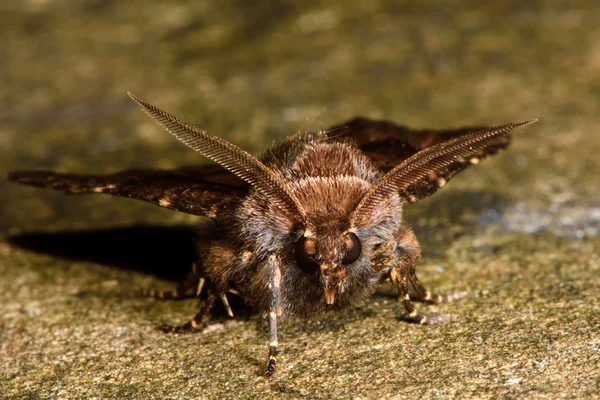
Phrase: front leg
x=404 y=272
x=274 y=283
x=196 y=323
x=399 y=278
x=433 y=298
x=215 y=257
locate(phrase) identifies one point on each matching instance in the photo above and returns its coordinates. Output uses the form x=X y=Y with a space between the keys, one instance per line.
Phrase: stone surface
x=519 y=233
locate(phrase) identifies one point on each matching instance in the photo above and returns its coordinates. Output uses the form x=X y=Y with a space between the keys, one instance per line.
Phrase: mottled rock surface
x=519 y=233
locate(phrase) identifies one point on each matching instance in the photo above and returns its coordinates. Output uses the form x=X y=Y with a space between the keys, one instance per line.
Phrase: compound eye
x=353 y=248
x=304 y=251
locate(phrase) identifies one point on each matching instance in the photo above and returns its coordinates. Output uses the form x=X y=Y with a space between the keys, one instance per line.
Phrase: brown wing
x=410 y=175
x=388 y=144
x=202 y=190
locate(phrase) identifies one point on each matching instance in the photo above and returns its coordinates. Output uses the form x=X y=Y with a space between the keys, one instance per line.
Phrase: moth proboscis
x=314 y=224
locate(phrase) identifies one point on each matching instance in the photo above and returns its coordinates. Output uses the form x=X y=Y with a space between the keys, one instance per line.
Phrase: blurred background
x=522 y=226
x=254 y=72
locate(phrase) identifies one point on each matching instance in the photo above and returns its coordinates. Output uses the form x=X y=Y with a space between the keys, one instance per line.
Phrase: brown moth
x=314 y=224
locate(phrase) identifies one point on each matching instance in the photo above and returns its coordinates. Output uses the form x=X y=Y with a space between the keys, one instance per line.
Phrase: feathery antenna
x=418 y=167
x=228 y=155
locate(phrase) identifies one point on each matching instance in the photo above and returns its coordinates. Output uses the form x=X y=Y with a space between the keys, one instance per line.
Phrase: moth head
x=329 y=253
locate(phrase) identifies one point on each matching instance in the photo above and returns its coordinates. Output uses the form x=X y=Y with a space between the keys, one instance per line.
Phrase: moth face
x=328 y=253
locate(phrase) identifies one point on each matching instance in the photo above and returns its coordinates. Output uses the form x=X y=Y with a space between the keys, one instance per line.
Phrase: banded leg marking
x=200 y=286
x=223 y=297
x=196 y=323
x=433 y=298
x=403 y=296
x=272 y=345
x=275 y=310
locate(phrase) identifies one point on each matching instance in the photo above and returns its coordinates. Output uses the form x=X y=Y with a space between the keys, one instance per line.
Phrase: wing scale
x=388 y=144
x=189 y=190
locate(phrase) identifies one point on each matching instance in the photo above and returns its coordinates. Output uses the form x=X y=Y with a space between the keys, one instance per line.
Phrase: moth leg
x=216 y=256
x=433 y=298
x=274 y=275
x=225 y=302
x=398 y=277
x=196 y=323
x=408 y=254
x=179 y=293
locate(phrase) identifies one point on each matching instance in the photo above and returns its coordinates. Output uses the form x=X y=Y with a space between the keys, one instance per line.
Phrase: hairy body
x=337 y=178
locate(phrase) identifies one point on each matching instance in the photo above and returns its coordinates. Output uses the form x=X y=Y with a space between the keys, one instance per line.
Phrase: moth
x=314 y=224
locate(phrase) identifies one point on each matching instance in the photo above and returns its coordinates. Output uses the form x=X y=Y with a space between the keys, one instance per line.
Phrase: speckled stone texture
x=519 y=233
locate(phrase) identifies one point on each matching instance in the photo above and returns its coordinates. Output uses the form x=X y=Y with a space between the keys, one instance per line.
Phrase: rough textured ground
x=518 y=233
